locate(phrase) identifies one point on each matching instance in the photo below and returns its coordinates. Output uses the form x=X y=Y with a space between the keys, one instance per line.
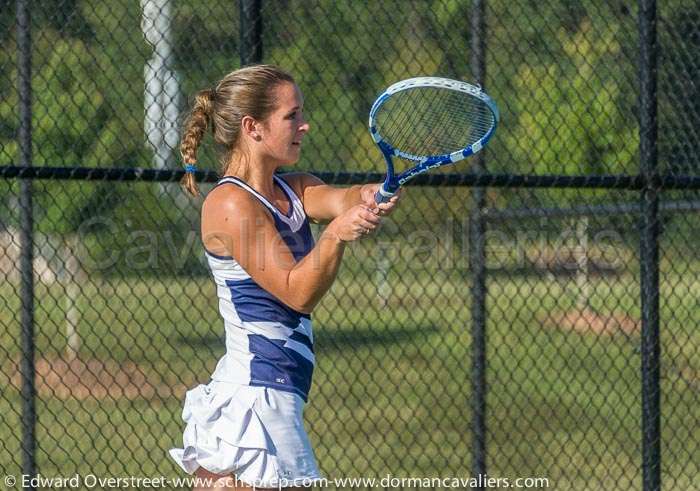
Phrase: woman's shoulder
x=229 y=197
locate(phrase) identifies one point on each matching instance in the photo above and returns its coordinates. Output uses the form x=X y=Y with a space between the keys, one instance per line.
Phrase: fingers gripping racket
x=429 y=122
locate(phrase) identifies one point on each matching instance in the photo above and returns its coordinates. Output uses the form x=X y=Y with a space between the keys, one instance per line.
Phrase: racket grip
x=381 y=198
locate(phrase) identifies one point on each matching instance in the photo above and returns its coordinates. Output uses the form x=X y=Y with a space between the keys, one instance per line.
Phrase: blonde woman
x=245 y=427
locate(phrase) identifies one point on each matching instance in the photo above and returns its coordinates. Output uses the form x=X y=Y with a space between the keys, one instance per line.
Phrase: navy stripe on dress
x=255 y=304
x=275 y=365
x=301 y=242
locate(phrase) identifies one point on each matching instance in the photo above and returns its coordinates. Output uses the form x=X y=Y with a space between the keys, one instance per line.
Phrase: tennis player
x=245 y=427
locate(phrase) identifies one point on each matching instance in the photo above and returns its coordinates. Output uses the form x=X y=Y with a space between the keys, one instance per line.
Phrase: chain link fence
x=536 y=316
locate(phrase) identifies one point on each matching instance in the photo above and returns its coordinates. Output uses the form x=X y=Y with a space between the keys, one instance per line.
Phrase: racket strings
x=428 y=121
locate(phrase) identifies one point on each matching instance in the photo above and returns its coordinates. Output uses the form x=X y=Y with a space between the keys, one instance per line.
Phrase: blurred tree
x=571 y=114
x=679 y=91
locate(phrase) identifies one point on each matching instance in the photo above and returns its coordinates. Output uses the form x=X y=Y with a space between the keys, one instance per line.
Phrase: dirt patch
x=587 y=321
x=92 y=378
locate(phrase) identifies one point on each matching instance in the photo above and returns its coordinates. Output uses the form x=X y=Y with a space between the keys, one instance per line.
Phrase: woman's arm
x=323 y=202
x=241 y=226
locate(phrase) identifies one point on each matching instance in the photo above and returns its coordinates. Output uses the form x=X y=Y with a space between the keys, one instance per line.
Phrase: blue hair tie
x=192 y=168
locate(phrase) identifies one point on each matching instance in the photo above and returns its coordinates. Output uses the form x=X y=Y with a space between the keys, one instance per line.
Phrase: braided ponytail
x=192 y=136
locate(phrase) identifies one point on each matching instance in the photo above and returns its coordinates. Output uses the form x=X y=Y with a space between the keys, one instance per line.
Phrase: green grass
x=392 y=389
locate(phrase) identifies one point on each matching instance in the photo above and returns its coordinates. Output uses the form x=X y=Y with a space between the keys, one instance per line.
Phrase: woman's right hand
x=357 y=222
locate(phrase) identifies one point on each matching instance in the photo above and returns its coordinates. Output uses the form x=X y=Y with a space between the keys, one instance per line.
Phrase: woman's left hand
x=367 y=194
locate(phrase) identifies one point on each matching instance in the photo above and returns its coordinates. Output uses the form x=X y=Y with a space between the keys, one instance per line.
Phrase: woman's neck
x=256 y=174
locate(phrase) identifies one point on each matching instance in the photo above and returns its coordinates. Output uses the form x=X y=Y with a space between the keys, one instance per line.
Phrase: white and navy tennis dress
x=248 y=420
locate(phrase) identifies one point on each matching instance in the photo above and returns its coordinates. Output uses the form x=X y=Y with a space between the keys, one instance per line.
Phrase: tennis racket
x=429 y=122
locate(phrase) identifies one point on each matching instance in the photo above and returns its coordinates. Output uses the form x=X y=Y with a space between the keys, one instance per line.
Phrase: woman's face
x=283 y=131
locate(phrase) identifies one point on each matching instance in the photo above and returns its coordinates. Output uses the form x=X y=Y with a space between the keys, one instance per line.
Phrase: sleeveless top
x=267 y=342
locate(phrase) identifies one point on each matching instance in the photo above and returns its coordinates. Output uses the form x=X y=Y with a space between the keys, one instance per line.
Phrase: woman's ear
x=250 y=128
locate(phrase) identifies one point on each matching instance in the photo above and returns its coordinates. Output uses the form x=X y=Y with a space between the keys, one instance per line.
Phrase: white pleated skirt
x=255 y=433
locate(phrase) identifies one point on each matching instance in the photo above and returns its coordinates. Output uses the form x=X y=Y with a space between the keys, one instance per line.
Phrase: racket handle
x=380 y=197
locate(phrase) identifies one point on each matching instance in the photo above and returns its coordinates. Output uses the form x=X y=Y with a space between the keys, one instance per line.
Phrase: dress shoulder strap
x=240 y=183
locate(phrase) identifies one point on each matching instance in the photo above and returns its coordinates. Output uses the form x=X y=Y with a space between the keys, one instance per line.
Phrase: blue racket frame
x=425 y=162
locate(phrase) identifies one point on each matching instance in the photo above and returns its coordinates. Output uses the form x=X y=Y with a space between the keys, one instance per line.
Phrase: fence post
x=649 y=249
x=24 y=65
x=251 y=31
x=477 y=264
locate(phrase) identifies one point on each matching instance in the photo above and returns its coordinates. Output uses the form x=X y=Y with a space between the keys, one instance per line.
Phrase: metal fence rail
x=534 y=315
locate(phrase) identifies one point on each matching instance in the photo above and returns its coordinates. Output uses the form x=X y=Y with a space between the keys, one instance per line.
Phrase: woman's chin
x=291 y=158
